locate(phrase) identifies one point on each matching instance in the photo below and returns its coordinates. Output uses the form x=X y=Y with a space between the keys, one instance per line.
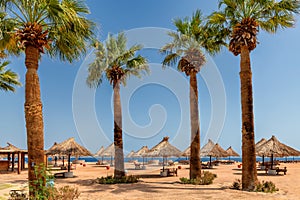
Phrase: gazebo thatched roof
x=99 y=152
x=207 y=148
x=231 y=152
x=164 y=149
x=216 y=151
x=10 y=147
x=142 y=152
x=69 y=147
x=109 y=151
x=275 y=148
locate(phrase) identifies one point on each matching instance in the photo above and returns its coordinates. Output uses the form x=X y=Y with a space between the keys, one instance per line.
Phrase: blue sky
x=157 y=106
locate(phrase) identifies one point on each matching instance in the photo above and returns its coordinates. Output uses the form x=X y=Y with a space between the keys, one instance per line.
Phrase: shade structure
x=131 y=154
x=11 y=147
x=215 y=151
x=142 y=152
x=260 y=142
x=69 y=147
x=99 y=152
x=276 y=148
x=109 y=152
x=273 y=147
x=207 y=148
x=164 y=149
x=187 y=152
x=231 y=152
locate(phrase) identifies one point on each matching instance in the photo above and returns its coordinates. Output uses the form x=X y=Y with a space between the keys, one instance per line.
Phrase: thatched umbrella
x=109 y=152
x=142 y=152
x=207 y=148
x=99 y=152
x=216 y=151
x=273 y=148
x=54 y=146
x=231 y=152
x=164 y=149
x=258 y=144
x=131 y=154
x=187 y=152
x=69 y=147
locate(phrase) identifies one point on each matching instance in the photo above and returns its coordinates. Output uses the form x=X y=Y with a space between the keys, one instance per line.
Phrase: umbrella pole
x=69 y=162
x=263 y=161
x=209 y=161
x=272 y=161
x=163 y=164
x=143 y=160
x=63 y=160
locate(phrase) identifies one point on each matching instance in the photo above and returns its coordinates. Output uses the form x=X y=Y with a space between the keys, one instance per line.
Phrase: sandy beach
x=152 y=186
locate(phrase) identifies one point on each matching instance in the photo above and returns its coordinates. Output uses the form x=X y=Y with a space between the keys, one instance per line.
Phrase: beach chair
x=278 y=170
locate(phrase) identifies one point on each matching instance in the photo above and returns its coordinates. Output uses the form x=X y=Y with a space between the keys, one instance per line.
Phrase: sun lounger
x=137 y=165
x=278 y=170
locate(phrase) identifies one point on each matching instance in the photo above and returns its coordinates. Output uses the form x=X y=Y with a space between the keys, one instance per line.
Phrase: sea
x=139 y=159
x=203 y=159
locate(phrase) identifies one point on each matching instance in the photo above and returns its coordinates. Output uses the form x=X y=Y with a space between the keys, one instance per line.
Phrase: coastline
x=152 y=186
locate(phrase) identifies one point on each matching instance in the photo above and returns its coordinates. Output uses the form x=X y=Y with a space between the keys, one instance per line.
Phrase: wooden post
x=13 y=162
x=19 y=162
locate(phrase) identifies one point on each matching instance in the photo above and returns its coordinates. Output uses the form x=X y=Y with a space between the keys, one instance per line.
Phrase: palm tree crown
x=114 y=62
x=240 y=20
x=60 y=27
x=191 y=38
x=8 y=78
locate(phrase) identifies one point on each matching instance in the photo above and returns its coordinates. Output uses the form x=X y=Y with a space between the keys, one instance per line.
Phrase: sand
x=153 y=186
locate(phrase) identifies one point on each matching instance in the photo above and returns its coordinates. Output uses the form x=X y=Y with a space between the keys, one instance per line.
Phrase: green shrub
x=268 y=187
x=113 y=180
x=206 y=179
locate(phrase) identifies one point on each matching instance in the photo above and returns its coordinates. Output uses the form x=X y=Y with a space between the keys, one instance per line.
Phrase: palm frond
x=8 y=78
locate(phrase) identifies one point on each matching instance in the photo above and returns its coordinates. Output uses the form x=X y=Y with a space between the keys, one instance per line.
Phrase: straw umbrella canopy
x=207 y=148
x=99 y=152
x=54 y=146
x=109 y=152
x=260 y=142
x=273 y=148
x=131 y=154
x=215 y=151
x=69 y=147
x=257 y=145
x=231 y=152
x=142 y=152
x=187 y=152
x=164 y=149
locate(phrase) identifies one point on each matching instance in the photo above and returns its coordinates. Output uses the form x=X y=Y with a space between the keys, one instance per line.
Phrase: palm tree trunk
x=249 y=173
x=195 y=164
x=33 y=113
x=118 y=140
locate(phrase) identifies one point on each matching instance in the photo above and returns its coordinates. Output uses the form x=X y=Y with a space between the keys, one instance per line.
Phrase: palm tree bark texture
x=33 y=112
x=195 y=171
x=248 y=144
x=118 y=141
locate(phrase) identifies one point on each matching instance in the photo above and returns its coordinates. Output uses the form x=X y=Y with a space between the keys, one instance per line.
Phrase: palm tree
x=186 y=50
x=114 y=62
x=241 y=20
x=58 y=28
x=8 y=78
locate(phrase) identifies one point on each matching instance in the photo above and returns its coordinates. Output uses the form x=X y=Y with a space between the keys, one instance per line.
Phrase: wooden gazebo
x=11 y=152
